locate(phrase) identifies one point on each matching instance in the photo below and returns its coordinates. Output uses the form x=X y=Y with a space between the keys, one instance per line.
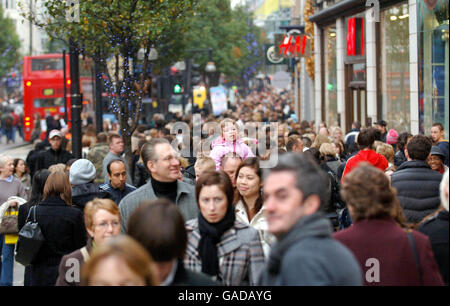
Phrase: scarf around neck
x=211 y=234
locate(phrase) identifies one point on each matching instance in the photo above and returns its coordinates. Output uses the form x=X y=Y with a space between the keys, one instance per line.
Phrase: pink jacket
x=220 y=147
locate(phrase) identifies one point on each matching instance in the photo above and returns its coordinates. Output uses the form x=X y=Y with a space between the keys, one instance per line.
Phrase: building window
x=331 y=76
x=395 y=76
x=433 y=36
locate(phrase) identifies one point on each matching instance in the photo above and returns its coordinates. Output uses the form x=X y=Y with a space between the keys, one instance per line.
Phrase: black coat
x=81 y=194
x=399 y=158
x=52 y=157
x=417 y=189
x=437 y=229
x=184 y=277
x=64 y=232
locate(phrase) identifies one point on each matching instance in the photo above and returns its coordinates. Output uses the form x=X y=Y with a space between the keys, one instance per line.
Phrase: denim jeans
x=7 y=268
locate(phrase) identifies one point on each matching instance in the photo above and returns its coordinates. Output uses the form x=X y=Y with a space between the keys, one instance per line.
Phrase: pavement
x=19 y=149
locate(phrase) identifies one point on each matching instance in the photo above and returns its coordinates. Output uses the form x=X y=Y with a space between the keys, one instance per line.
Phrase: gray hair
x=148 y=150
x=4 y=159
x=443 y=187
x=311 y=180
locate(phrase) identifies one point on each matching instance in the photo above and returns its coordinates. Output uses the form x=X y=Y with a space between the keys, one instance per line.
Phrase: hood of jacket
x=85 y=189
x=372 y=157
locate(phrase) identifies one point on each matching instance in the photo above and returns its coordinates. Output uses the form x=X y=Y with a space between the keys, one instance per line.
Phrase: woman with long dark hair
x=249 y=203
x=39 y=179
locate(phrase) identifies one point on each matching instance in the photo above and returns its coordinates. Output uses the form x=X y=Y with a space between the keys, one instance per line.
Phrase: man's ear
x=150 y=165
x=311 y=204
x=406 y=153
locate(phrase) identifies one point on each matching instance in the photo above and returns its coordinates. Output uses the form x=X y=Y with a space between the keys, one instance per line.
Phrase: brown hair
x=58 y=184
x=219 y=178
x=368 y=192
x=127 y=249
x=253 y=163
x=159 y=227
x=113 y=136
x=92 y=207
x=57 y=167
x=292 y=141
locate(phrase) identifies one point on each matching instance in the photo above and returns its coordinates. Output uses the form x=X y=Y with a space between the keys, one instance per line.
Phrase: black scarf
x=211 y=234
x=166 y=190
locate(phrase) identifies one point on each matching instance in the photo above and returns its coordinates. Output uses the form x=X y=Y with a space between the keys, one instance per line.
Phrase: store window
x=395 y=77
x=433 y=36
x=331 y=76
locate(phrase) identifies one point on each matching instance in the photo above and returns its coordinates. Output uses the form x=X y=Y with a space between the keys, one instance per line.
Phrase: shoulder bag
x=30 y=240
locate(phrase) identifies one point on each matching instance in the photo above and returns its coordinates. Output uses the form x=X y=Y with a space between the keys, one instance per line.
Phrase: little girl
x=229 y=142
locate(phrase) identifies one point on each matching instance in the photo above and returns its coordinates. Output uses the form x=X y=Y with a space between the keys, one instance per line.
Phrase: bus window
x=48 y=102
x=40 y=64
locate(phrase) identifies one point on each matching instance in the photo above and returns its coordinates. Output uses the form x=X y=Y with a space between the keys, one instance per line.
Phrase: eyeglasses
x=105 y=225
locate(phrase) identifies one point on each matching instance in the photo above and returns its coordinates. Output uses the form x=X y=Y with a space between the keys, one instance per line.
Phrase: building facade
x=382 y=59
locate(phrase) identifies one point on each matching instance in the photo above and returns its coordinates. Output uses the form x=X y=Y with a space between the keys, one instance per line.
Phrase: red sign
x=355 y=36
x=289 y=47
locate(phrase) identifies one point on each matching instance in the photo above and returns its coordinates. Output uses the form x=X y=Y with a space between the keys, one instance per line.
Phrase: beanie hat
x=391 y=137
x=82 y=172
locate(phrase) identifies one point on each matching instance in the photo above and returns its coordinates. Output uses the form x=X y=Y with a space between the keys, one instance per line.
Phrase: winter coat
x=52 y=157
x=81 y=194
x=221 y=148
x=417 y=189
x=399 y=158
x=369 y=156
x=69 y=272
x=63 y=228
x=437 y=229
x=392 y=250
x=309 y=256
x=96 y=155
x=241 y=256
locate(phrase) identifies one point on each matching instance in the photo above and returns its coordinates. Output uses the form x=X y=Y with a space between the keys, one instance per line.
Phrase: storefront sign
x=295 y=46
x=355 y=36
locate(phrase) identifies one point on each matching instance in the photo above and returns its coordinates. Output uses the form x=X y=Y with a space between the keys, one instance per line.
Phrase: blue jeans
x=7 y=250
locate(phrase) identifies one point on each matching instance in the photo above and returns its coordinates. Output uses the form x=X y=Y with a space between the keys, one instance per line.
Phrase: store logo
x=289 y=47
x=73 y=10
x=373 y=14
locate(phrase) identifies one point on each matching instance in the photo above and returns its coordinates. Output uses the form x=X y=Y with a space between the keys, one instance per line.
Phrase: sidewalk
x=5 y=147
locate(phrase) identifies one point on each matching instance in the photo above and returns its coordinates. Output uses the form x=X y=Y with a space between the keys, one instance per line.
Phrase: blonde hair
x=207 y=163
x=127 y=249
x=57 y=167
x=387 y=151
x=92 y=207
x=327 y=149
x=319 y=140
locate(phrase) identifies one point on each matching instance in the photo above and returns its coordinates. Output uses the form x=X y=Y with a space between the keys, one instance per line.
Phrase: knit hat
x=391 y=137
x=82 y=172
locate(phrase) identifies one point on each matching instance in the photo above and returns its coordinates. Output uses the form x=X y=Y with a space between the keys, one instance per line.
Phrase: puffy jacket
x=399 y=158
x=370 y=156
x=81 y=194
x=417 y=189
x=221 y=148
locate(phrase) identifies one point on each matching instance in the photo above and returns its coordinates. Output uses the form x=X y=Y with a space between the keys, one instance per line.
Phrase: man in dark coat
x=159 y=227
x=416 y=183
x=81 y=176
x=437 y=229
x=55 y=155
x=305 y=253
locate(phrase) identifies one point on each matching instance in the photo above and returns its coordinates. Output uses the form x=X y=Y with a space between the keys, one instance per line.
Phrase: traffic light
x=195 y=74
x=177 y=88
x=177 y=84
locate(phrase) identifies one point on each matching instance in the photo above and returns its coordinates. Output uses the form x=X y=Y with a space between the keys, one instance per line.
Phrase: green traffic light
x=177 y=88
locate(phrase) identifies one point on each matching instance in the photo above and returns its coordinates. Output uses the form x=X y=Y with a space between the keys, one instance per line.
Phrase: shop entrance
x=356 y=102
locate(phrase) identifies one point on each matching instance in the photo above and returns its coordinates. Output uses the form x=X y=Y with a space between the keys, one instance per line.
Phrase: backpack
x=340 y=216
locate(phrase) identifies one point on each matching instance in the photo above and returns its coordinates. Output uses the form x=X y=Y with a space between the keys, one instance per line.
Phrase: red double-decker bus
x=43 y=90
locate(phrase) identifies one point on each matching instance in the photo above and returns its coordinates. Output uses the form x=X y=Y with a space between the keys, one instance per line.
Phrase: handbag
x=30 y=240
x=9 y=221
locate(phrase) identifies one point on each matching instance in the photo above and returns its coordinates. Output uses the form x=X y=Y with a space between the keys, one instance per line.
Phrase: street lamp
x=210 y=66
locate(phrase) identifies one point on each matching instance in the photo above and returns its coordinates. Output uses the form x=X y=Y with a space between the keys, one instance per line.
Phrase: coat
x=185 y=201
x=437 y=230
x=222 y=148
x=384 y=240
x=82 y=194
x=96 y=155
x=241 y=256
x=64 y=232
x=417 y=189
x=259 y=223
x=184 y=277
x=369 y=156
x=69 y=272
x=51 y=157
x=309 y=256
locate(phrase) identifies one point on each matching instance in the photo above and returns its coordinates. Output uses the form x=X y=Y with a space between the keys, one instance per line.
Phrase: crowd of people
x=366 y=208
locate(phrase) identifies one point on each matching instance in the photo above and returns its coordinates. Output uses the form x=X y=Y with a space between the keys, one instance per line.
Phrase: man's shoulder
x=143 y=192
